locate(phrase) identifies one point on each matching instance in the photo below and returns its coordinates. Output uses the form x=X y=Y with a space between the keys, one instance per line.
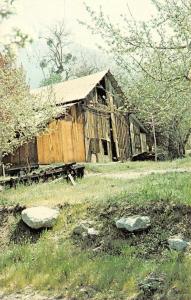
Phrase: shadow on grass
x=23 y=234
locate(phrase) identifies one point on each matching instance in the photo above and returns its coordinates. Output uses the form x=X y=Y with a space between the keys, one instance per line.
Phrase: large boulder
x=177 y=243
x=134 y=223
x=39 y=217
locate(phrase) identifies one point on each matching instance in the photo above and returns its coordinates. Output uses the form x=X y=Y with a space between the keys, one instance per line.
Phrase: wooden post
x=71 y=179
x=1 y=164
x=154 y=137
x=115 y=133
x=3 y=168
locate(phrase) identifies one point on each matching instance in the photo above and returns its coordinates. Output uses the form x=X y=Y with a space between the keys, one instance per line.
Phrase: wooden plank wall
x=143 y=142
x=138 y=139
x=65 y=140
x=97 y=128
x=24 y=155
x=123 y=137
x=97 y=125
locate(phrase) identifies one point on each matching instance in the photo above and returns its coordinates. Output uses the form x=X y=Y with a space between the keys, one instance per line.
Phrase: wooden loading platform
x=67 y=171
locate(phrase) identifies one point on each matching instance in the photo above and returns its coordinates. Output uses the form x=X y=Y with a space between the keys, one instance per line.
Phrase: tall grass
x=57 y=267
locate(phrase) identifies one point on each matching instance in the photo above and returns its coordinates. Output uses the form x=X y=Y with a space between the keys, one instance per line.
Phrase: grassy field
x=138 y=166
x=58 y=264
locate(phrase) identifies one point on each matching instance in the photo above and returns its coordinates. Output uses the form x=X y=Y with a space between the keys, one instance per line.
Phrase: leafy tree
x=17 y=37
x=155 y=60
x=58 y=59
x=60 y=62
x=52 y=79
x=22 y=115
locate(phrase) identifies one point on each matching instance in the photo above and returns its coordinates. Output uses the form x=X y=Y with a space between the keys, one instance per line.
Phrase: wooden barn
x=91 y=129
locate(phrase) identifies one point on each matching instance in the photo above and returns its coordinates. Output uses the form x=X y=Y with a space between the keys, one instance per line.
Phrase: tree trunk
x=1 y=165
x=187 y=137
x=154 y=138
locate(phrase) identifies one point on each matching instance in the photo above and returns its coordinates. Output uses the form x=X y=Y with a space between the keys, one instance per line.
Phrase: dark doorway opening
x=105 y=147
x=113 y=146
x=101 y=92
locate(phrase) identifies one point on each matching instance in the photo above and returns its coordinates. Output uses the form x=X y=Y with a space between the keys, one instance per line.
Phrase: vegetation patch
x=167 y=219
x=112 y=264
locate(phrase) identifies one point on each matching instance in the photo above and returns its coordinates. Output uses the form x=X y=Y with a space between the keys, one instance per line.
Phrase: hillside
x=110 y=264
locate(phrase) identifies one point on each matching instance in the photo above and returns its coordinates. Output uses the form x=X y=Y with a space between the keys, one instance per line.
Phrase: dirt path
x=29 y=295
x=139 y=173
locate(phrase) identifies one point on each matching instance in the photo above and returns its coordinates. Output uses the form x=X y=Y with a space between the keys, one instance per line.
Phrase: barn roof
x=76 y=89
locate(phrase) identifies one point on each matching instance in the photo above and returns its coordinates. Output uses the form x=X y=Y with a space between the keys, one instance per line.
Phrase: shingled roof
x=76 y=89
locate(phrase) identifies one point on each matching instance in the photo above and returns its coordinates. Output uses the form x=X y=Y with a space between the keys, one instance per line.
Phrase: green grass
x=55 y=264
x=137 y=165
x=62 y=267
x=171 y=186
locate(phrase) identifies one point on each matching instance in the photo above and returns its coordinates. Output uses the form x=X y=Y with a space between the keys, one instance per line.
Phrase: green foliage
x=61 y=61
x=22 y=115
x=58 y=59
x=54 y=78
x=56 y=264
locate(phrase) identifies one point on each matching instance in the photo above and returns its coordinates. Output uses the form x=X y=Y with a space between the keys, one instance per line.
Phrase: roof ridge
x=71 y=90
x=71 y=80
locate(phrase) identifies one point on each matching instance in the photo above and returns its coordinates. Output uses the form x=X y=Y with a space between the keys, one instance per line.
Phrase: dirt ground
x=29 y=294
x=167 y=219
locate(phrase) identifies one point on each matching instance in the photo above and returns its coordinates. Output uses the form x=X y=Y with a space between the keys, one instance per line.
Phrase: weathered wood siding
x=24 y=155
x=97 y=135
x=135 y=138
x=138 y=139
x=65 y=140
x=123 y=136
x=143 y=142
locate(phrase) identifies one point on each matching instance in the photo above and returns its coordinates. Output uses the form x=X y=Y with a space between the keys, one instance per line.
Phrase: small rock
x=134 y=223
x=178 y=243
x=84 y=229
x=92 y=232
x=1 y=188
x=80 y=229
x=39 y=217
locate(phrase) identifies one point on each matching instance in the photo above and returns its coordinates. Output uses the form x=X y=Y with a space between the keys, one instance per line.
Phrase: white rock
x=80 y=229
x=133 y=223
x=39 y=217
x=93 y=232
x=84 y=230
x=177 y=243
